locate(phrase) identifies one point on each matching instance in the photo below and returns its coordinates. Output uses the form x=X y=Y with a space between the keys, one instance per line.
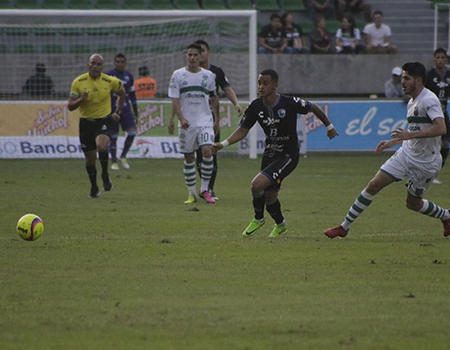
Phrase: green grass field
x=138 y=269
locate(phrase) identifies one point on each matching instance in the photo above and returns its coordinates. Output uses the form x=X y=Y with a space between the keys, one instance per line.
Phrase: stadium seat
x=71 y=31
x=97 y=31
x=3 y=49
x=7 y=4
x=333 y=25
x=44 y=31
x=161 y=5
x=267 y=5
x=53 y=49
x=56 y=4
x=240 y=4
x=16 y=31
x=123 y=30
x=293 y=5
x=105 y=48
x=175 y=28
x=134 y=49
x=198 y=28
x=228 y=28
x=136 y=4
x=160 y=49
x=187 y=4
x=151 y=29
x=213 y=4
x=82 y=4
x=28 y=4
x=307 y=26
x=108 y=4
x=79 y=49
x=24 y=49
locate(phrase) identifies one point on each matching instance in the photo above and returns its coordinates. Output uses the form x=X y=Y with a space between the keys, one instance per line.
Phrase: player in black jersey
x=222 y=82
x=277 y=115
x=438 y=81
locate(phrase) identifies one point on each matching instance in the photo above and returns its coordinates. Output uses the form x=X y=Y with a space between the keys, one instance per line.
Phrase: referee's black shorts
x=90 y=128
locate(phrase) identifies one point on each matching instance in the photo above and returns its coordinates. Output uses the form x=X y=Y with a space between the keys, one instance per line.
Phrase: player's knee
x=373 y=187
x=256 y=186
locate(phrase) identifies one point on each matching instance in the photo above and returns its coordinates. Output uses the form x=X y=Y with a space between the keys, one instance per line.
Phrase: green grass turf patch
x=138 y=269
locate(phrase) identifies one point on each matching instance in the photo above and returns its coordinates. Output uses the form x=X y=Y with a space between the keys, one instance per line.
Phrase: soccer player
x=438 y=81
x=127 y=120
x=222 y=82
x=418 y=158
x=191 y=89
x=91 y=93
x=277 y=115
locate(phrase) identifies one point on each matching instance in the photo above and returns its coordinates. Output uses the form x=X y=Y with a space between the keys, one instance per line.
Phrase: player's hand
x=84 y=96
x=184 y=123
x=383 y=145
x=115 y=116
x=400 y=134
x=332 y=133
x=238 y=109
x=216 y=146
x=171 y=127
x=216 y=129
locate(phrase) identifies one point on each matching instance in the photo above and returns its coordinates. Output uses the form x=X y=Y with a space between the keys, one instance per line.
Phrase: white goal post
x=29 y=36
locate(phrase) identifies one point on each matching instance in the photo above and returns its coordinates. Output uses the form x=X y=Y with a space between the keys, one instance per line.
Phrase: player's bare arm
x=121 y=95
x=331 y=131
x=176 y=108
x=386 y=144
x=214 y=99
x=76 y=102
x=236 y=136
x=438 y=129
x=231 y=95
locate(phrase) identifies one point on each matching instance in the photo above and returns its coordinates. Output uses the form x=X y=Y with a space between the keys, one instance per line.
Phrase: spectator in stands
x=378 y=36
x=354 y=6
x=348 y=37
x=323 y=7
x=272 y=38
x=39 y=85
x=145 y=86
x=320 y=38
x=294 y=34
x=393 y=87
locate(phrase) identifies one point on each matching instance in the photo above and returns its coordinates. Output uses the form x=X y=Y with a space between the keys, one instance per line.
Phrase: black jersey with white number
x=279 y=123
x=440 y=85
x=221 y=79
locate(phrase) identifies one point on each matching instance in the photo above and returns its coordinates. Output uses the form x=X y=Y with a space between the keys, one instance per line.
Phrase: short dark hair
x=274 y=16
x=202 y=42
x=195 y=47
x=40 y=68
x=378 y=13
x=120 y=55
x=143 y=71
x=416 y=69
x=271 y=73
x=440 y=50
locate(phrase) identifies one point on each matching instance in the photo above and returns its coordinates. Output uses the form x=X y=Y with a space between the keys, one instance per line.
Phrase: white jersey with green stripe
x=421 y=113
x=193 y=90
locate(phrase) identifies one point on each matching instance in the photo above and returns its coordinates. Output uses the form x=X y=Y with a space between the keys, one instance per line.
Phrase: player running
x=418 y=158
x=191 y=89
x=127 y=120
x=277 y=115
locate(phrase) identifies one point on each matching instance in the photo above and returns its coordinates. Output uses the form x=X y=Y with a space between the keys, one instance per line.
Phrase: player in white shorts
x=191 y=89
x=418 y=158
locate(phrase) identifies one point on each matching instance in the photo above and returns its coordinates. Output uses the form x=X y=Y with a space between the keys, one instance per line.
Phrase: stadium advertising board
x=49 y=130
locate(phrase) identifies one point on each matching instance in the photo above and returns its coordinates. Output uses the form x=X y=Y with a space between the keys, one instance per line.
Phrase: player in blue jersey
x=127 y=120
x=277 y=115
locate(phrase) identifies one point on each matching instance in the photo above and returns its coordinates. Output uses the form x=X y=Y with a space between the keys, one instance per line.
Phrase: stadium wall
x=325 y=75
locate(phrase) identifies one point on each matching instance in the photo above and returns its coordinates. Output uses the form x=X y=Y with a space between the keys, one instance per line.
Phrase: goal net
x=59 y=43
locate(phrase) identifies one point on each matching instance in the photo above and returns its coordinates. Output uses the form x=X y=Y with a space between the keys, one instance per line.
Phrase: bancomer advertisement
x=49 y=130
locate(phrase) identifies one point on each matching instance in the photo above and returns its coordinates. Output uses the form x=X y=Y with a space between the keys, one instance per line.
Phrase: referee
x=91 y=92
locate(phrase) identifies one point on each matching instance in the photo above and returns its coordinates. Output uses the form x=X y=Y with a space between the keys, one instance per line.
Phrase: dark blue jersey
x=279 y=123
x=440 y=85
x=128 y=84
x=219 y=75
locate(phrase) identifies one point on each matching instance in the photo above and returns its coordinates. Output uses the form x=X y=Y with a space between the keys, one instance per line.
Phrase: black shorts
x=277 y=169
x=91 y=128
x=447 y=125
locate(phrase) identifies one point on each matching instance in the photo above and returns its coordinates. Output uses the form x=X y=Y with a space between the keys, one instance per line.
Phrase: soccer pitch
x=138 y=269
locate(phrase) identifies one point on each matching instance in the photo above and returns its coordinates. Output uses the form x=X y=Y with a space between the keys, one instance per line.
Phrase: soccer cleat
x=334 y=232
x=446 y=224
x=254 y=226
x=278 y=230
x=107 y=184
x=124 y=163
x=207 y=197
x=214 y=195
x=95 y=192
x=436 y=182
x=115 y=166
x=191 y=199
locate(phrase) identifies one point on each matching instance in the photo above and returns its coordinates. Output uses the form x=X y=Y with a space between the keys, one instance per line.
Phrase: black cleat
x=107 y=184
x=95 y=192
